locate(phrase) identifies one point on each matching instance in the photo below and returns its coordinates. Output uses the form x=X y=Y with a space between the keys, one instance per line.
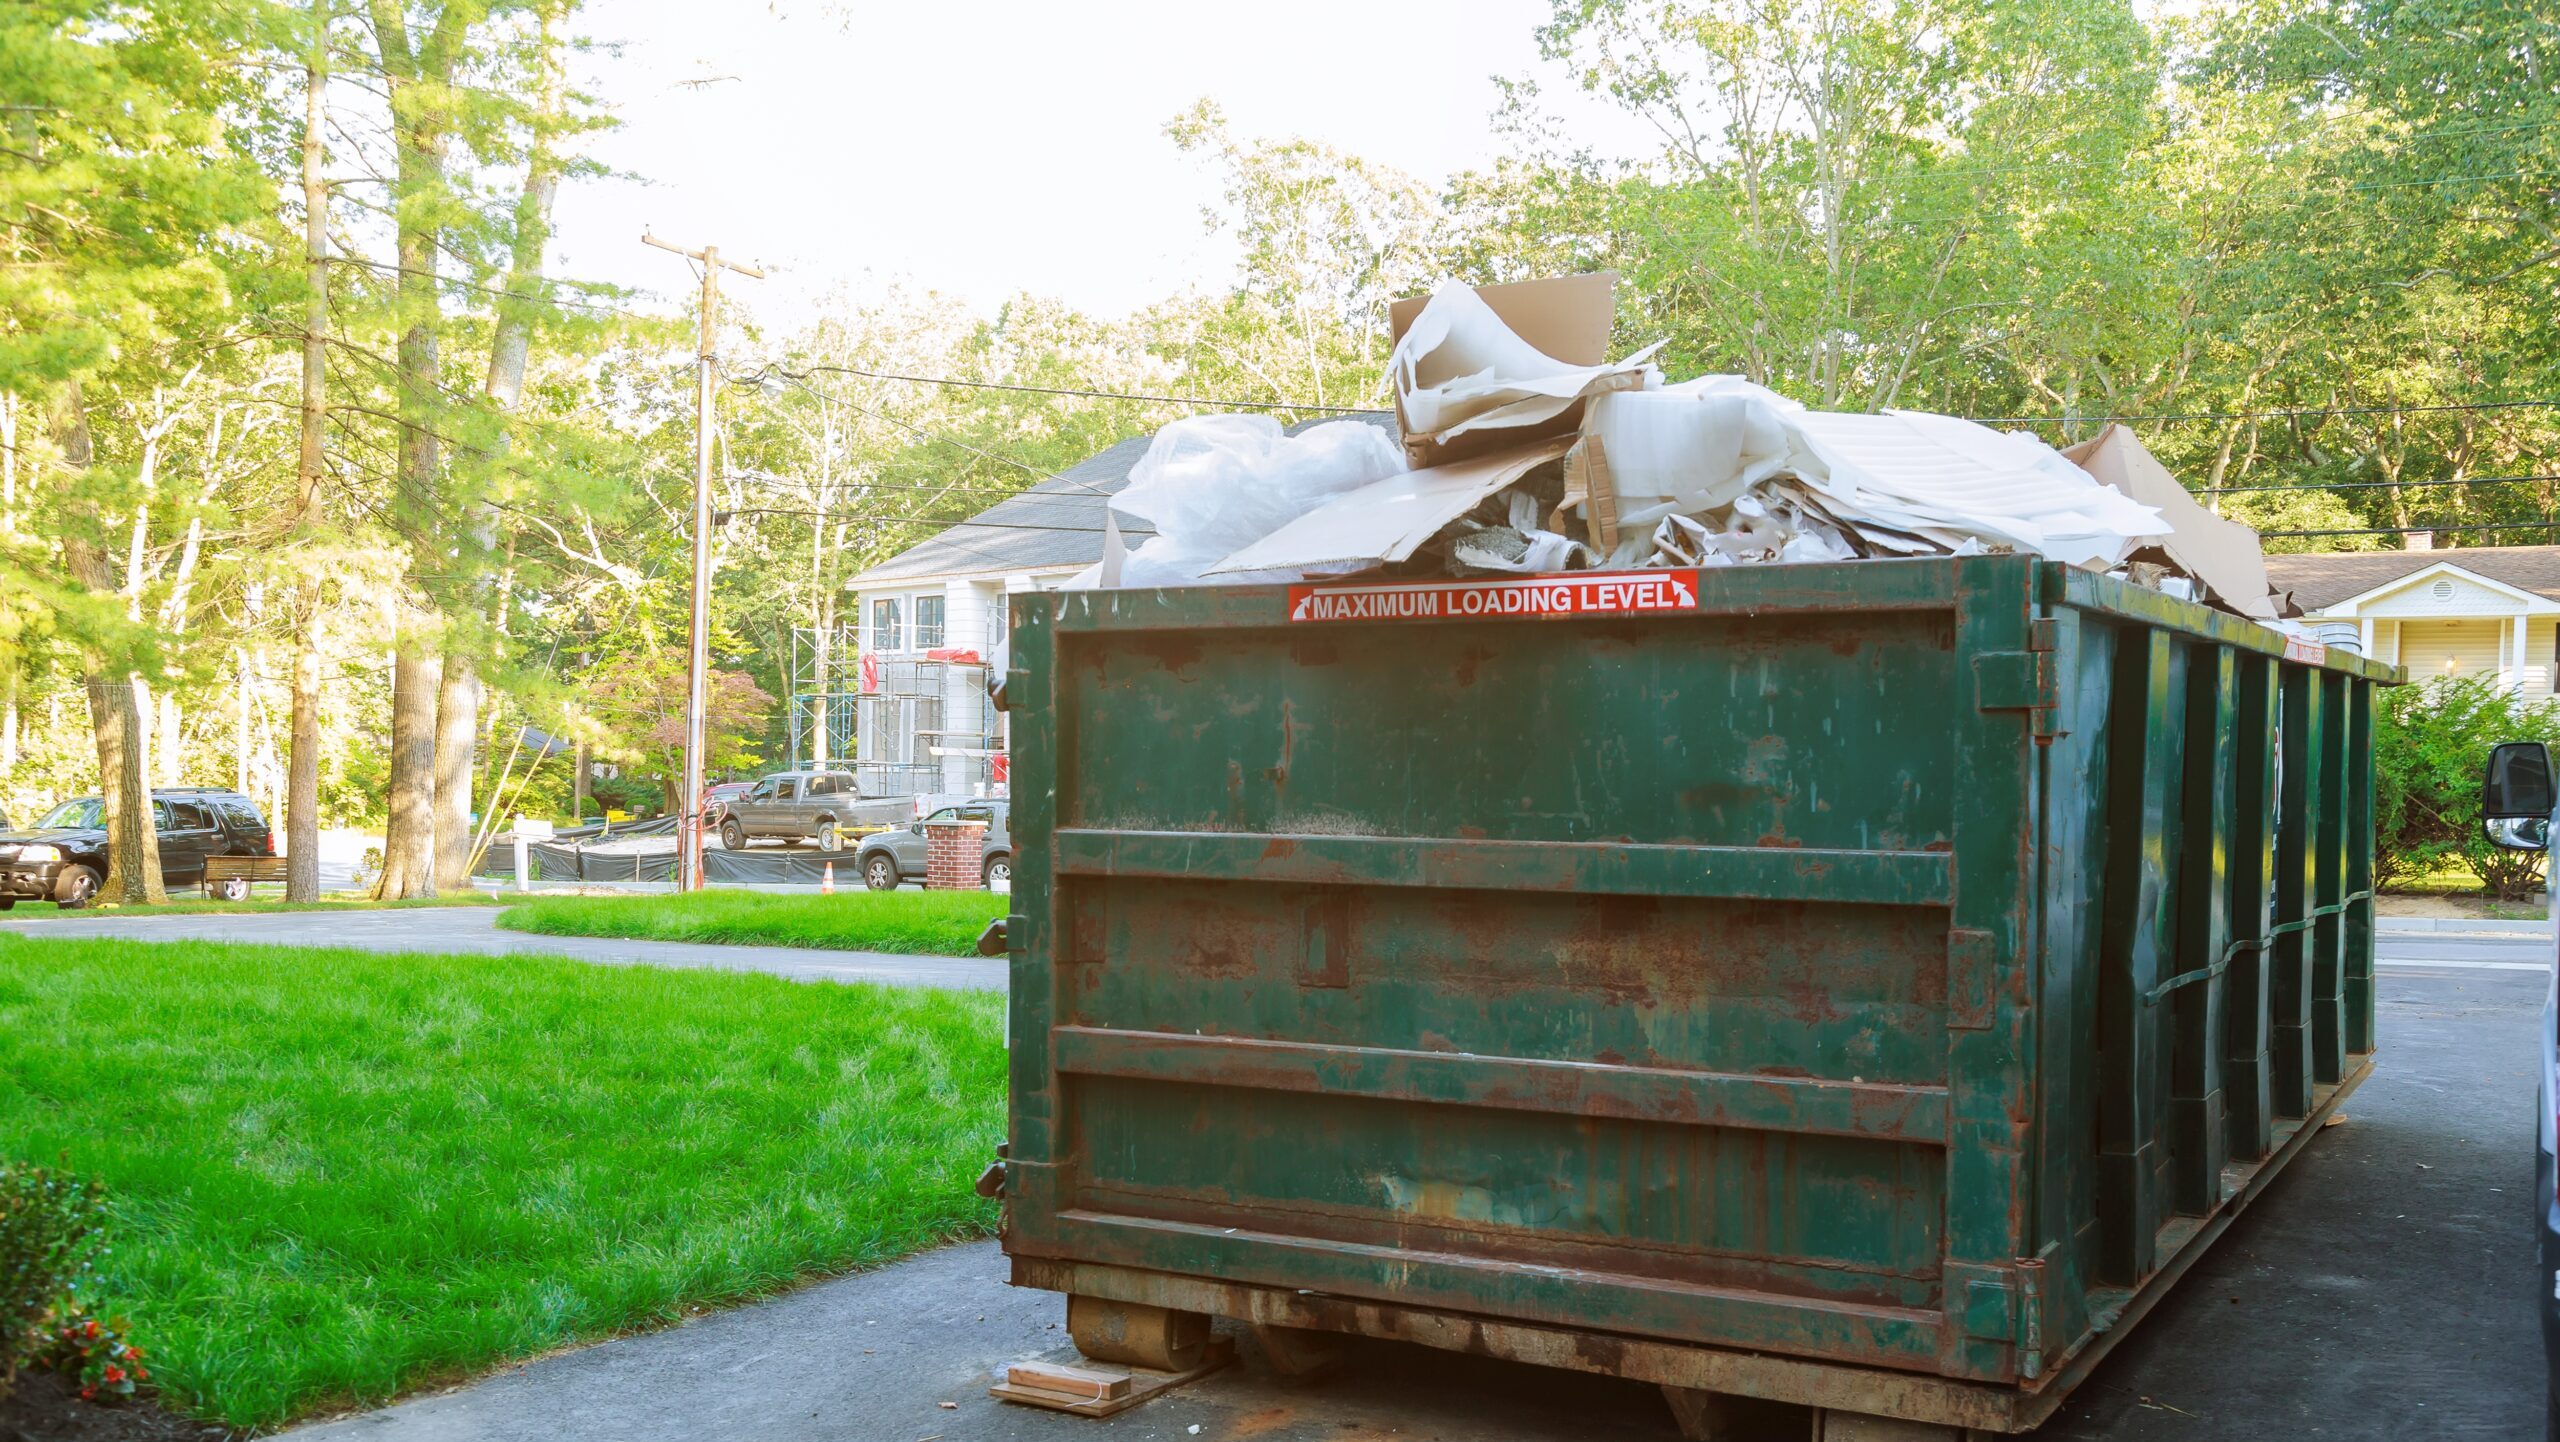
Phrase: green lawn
x=930 y=923
x=339 y=1175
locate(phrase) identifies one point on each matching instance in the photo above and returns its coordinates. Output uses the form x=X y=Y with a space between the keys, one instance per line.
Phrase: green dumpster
x=1867 y=987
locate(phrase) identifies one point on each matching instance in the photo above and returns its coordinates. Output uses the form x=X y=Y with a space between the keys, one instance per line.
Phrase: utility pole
x=698 y=663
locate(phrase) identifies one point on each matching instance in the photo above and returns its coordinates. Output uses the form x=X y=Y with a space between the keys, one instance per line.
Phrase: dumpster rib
x=1758 y=873
x=1784 y=1104
x=1869 y=1333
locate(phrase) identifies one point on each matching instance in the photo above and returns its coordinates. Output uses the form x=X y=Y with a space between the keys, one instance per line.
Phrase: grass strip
x=920 y=923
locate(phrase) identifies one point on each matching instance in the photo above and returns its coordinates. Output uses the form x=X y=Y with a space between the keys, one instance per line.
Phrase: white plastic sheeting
x=1213 y=485
x=1904 y=482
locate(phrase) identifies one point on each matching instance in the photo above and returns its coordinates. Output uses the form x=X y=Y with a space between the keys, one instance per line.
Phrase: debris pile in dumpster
x=1525 y=450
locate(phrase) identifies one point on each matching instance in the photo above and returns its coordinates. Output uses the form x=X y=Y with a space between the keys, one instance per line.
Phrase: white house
x=947 y=594
x=2475 y=611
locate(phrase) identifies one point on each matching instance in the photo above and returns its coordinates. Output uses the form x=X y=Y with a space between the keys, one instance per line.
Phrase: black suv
x=63 y=857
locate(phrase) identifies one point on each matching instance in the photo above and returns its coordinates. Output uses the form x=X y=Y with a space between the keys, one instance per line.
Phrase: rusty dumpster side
x=1870 y=989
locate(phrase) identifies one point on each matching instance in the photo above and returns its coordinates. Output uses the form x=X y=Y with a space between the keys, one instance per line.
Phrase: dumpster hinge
x=2025 y=680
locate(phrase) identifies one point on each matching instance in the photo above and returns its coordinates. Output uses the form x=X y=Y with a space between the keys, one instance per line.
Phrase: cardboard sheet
x=2225 y=555
x=1388 y=520
x=1475 y=370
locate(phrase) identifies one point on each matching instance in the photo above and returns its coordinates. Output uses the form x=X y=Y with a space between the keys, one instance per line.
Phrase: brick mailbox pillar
x=955 y=854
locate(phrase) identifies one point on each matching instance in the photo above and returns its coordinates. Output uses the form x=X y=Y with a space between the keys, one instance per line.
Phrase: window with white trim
x=928 y=623
x=888 y=634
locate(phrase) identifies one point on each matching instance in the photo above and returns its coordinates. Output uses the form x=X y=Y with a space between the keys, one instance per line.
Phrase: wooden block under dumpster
x=1860 y=986
x=1086 y=1391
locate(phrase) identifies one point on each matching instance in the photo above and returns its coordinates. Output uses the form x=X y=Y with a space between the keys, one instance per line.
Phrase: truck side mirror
x=2517 y=798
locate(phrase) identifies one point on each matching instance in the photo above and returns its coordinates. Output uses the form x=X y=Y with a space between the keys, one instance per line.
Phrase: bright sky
x=984 y=150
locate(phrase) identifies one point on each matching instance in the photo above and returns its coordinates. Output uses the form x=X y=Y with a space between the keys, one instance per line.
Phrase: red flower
x=88 y=1394
x=114 y=1373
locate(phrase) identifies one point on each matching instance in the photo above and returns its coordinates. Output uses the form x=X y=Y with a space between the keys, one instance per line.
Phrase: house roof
x=1054 y=525
x=2319 y=581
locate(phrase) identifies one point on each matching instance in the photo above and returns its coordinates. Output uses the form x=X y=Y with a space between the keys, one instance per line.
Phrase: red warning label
x=1593 y=593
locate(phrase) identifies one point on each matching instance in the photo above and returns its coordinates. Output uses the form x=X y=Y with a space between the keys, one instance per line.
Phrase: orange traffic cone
x=827 y=882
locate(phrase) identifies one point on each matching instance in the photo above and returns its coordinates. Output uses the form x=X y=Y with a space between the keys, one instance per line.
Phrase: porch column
x=2513 y=672
x=2368 y=628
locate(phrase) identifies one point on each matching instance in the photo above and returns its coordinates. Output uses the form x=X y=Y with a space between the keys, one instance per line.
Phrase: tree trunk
x=302 y=774
x=459 y=698
x=456 y=759
x=124 y=791
x=409 y=842
x=578 y=784
x=421 y=128
x=302 y=771
x=115 y=710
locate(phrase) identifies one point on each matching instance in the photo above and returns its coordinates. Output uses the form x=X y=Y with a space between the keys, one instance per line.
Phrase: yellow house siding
x=2454 y=648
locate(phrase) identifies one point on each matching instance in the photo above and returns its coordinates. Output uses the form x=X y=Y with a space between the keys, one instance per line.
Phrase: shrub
x=49 y=1236
x=2430 y=745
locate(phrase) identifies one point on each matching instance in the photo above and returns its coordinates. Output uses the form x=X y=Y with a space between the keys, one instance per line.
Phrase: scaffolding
x=927 y=727
x=825 y=680
x=910 y=726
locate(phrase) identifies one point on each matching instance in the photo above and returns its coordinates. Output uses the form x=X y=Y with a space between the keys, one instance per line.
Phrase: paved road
x=473 y=930
x=2462 y=945
x=2381 y=1291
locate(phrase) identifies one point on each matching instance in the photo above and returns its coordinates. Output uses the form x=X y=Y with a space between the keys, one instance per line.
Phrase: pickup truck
x=821 y=806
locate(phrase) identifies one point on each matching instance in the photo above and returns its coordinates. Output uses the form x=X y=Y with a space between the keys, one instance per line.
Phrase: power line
x=926 y=520
x=788 y=373
x=2421 y=530
x=1041 y=476
x=2372 y=485
x=905 y=425
x=2323 y=412
x=753 y=478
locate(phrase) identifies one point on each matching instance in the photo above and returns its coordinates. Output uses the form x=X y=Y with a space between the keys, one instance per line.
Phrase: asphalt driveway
x=473 y=930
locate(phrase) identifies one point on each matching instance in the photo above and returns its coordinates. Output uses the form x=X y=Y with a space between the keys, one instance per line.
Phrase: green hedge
x=2430 y=745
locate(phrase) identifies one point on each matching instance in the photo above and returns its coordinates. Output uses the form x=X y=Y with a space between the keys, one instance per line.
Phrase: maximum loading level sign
x=1596 y=593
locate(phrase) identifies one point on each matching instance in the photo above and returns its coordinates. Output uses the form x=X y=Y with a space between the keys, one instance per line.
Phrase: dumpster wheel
x=1137 y=1335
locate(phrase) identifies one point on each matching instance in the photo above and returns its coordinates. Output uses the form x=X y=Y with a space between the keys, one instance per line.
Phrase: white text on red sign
x=1613 y=593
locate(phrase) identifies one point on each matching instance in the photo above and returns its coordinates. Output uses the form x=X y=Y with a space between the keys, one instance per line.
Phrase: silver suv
x=895 y=856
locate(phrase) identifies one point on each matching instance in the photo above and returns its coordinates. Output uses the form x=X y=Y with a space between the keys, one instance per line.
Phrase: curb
x=2476 y=925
